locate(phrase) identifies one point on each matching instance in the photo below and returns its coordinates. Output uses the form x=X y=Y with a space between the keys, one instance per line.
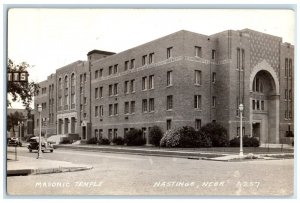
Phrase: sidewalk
x=222 y=154
x=28 y=165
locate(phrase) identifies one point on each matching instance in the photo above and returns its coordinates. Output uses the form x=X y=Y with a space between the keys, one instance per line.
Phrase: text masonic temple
x=181 y=79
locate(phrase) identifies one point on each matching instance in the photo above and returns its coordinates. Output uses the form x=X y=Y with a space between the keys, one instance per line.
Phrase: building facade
x=181 y=79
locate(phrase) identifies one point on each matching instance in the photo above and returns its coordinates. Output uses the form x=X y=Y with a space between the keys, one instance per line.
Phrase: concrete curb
x=38 y=171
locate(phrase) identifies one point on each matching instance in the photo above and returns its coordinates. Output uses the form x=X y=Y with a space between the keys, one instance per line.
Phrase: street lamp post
x=241 y=108
x=40 y=134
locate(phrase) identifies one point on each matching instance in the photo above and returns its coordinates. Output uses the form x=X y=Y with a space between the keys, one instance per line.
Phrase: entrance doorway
x=84 y=132
x=256 y=130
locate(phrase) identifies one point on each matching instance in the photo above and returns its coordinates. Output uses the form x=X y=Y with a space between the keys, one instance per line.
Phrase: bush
x=155 y=135
x=118 y=140
x=184 y=137
x=92 y=140
x=204 y=140
x=216 y=133
x=247 y=142
x=134 y=138
x=104 y=141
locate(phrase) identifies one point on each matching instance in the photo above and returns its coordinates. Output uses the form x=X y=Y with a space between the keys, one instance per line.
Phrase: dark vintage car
x=34 y=144
x=13 y=141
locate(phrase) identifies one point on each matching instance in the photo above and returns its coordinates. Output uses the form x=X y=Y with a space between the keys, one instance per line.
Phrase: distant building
x=181 y=79
x=25 y=127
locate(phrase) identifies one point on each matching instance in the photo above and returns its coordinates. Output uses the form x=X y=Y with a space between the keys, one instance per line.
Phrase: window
x=238 y=58
x=115 y=133
x=214 y=74
x=96 y=92
x=116 y=109
x=96 y=111
x=290 y=68
x=132 y=63
x=126 y=108
x=257 y=105
x=214 y=101
x=238 y=131
x=116 y=89
x=110 y=131
x=132 y=110
x=110 y=90
x=81 y=107
x=253 y=104
x=151 y=82
x=144 y=105
x=169 y=52
x=101 y=110
x=198 y=51
x=110 y=70
x=144 y=83
x=126 y=66
x=286 y=114
x=169 y=102
x=151 y=105
x=72 y=101
x=144 y=60
x=96 y=74
x=81 y=90
x=197 y=124
x=286 y=67
x=125 y=131
x=84 y=77
x=101 y=73
x=290 y=114
x=286 y=94
x=101 y=92
x=198 y=77
x=81 y=80
x=132 y=85
x=169 y=124
x=290 y=94
x=126 y=87
x=243 y=59
x=151 y=58
x=262 y=105
x=197 y=102
x=169 y=78
x=115 y=68
x=213 y=54
x=110 y=110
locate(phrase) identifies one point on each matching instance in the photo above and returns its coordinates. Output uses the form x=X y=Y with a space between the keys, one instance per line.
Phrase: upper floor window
x=151 y=81
x=132 y=63
x=132 y=85
x=290 y=67
x=197 y=102
x=151 y=104
x=198 y=77
x=110 y=70
x=73 y=79
x=144 y=105
x=126 y=65
x=151 y=58
x=126 y=87
x=169 y=102
x=169 y=78
x=96 y=74
x=198 y=51
x=214 y=75
x=115 y=68
x=144 y=83
x=169 y=52
x=101 y=73
x=214 y=100
x=144 y=60
x=213 y=54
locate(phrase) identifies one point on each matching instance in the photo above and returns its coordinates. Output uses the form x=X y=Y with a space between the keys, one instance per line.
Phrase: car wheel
x=43 y=151
x=30 y=150
x=51 y=150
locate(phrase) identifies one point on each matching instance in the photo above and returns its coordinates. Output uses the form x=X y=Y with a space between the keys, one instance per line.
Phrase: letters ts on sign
x=17 y=76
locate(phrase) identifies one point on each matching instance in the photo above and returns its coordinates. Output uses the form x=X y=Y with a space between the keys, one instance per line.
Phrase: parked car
x=34 y=144
x=14 y=141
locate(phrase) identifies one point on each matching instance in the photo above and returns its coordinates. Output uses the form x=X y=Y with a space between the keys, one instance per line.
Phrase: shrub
x=92 y=140
x=184 y=137
x=104 y=141
x=155 y=135
x=247 y=142
x=204 y=140
x=134 y=138
x=170 y=139
x=216 y=133
x=118 y=140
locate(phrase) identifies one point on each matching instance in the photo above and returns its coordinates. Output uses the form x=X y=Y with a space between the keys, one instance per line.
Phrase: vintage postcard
x=150 y=102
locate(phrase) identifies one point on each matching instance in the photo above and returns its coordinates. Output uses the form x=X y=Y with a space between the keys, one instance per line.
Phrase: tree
x=21 y=90
x=13 y=119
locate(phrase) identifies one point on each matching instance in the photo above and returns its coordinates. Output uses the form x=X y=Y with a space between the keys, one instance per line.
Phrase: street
x=125 y=174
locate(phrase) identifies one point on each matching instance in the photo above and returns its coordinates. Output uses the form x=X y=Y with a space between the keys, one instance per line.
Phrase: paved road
x=124 y=174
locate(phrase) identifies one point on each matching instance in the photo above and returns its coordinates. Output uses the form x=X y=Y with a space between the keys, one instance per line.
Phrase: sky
x=48 y=39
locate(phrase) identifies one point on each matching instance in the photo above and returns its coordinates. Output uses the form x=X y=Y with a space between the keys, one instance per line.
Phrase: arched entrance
x=264 y=100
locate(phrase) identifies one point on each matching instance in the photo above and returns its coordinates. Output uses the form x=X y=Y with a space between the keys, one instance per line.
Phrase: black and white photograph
x=149 y=101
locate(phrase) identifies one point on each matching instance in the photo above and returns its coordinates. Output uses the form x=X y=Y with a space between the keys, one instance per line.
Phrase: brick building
x=181 y=79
